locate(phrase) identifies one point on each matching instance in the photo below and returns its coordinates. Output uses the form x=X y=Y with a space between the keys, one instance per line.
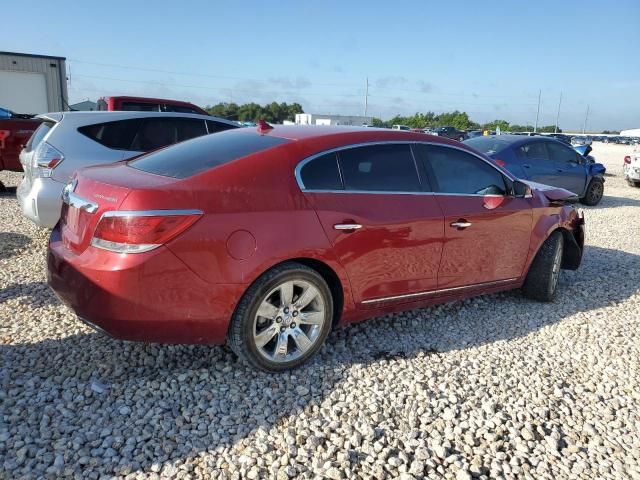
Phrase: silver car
x=68 y=141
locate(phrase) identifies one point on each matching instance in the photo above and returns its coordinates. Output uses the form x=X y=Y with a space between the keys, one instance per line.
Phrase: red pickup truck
x=16 y=129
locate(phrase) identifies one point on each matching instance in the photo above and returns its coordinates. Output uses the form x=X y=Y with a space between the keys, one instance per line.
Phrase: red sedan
x=268 y=238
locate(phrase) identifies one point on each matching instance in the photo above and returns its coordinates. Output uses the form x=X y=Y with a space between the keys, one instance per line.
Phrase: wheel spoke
x=307 y=297
x=266 y=335
x=282 y=346
x=267 y=310
x=311 y=318
x=301 y=339
x=286 y=293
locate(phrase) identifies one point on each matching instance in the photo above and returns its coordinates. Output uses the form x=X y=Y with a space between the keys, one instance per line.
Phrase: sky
x=490 y=59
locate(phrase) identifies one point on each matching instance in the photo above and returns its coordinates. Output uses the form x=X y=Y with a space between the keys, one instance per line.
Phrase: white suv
x=68 y=141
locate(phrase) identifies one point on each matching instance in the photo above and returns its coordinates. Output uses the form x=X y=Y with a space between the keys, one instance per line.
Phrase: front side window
x=321 y=173
x=458 y=172
x=561 y=154
x=388 y=168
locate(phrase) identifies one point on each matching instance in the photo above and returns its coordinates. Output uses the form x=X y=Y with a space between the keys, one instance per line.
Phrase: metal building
x=317 y=119
x=33 y=84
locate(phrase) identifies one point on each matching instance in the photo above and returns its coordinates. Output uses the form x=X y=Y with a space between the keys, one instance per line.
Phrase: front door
x=536 y=164
x=385 y=229
x=487 y=232
x=570 y=167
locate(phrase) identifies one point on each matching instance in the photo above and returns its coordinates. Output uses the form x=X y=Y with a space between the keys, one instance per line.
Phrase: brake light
x=45 y=159
x=500 y=163
x=4 y=134
x=141 y=231
x=627 y=159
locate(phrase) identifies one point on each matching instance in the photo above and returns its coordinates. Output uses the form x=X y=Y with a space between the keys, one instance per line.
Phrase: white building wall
x=634 y=132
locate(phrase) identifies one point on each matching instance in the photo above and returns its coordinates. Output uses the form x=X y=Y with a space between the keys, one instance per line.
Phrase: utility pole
x=555 y=130
x=366 y=95
x=586 y=116
x=535 y=128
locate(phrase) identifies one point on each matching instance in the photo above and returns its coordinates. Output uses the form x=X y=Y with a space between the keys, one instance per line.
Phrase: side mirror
x=521 y=190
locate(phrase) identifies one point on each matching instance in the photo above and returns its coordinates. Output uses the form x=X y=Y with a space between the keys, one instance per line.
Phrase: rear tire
x=542 y=279
x=594 y=193
x=283 y=319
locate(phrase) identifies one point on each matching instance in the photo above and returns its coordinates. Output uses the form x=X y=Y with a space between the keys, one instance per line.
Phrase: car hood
x=554 y=194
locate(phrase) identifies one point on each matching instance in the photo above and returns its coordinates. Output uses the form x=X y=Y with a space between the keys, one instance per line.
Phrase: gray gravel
x=494 y=387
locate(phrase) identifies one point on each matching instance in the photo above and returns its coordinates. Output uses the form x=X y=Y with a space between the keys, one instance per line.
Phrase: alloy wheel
x=289 y=321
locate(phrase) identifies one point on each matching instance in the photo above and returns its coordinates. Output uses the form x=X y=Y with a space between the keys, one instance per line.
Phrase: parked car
x=450 y=132
x=15 y=131
x=562 y=137
x=631 y=169
x=545 y=160
x=146 y=104
x=581 y=140
x=401 y=127
x=267 y=238
x=474 y=133
x=65 y=142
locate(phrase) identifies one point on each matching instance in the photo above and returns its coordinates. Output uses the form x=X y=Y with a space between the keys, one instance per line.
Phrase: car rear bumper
x=147 y=297
x=40 y=200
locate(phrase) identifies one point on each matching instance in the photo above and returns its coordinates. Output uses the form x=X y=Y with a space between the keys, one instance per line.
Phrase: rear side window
x=215 y=127
x=533 y=151
x=458 y=172
x=38 y=135
x=388 y=168
x=159 y=132
x=117 y=135
x=321 y=173
x=190 y=158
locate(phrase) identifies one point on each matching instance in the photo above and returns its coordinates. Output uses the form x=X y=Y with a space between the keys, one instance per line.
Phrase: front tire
x=542 y=279
x=594 y=193
x=283 y=318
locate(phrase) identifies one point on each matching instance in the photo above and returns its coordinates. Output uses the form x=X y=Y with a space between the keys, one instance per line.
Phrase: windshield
x=487 y=145
x=199 y=154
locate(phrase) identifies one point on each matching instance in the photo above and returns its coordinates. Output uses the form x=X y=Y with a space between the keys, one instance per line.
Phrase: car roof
x=347 y=133
x=510 y=140
x=108 y=116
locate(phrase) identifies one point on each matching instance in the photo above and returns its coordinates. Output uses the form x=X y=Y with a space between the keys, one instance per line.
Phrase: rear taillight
x=500 y=163
x=4 y=134
x=45 y=159
x=627 y=159
x=141 y=231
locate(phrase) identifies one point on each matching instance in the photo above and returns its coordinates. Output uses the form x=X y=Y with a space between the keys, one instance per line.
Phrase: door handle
x=347 y=226
x=461 y=224
x=559 y=170
x=526 y=165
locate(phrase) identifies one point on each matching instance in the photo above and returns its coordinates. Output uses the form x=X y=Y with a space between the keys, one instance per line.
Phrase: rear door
x=570 y=167
x=536 y=164
x=385 y=226
x=487 y=232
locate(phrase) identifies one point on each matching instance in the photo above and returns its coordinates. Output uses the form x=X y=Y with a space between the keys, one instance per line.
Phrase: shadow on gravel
x=169 y=403
x=609 y=201
x=33 y=294
x=11 y=243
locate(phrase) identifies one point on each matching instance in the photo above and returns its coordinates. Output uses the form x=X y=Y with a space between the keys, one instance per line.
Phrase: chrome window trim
x=431 y=293
x=336 y=150
x=150 y=213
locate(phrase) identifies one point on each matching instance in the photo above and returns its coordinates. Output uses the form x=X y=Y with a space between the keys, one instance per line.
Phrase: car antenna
x=263 y=126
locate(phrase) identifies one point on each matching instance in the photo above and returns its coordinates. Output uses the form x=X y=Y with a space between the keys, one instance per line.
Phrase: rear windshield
x=38 y=135
x=195 y=156
x=487 y=145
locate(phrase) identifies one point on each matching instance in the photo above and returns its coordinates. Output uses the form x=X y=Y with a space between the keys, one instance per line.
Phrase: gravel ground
x=494 y=387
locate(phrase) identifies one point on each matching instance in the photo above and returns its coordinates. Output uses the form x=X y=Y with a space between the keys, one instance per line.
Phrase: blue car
x=545 y=160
